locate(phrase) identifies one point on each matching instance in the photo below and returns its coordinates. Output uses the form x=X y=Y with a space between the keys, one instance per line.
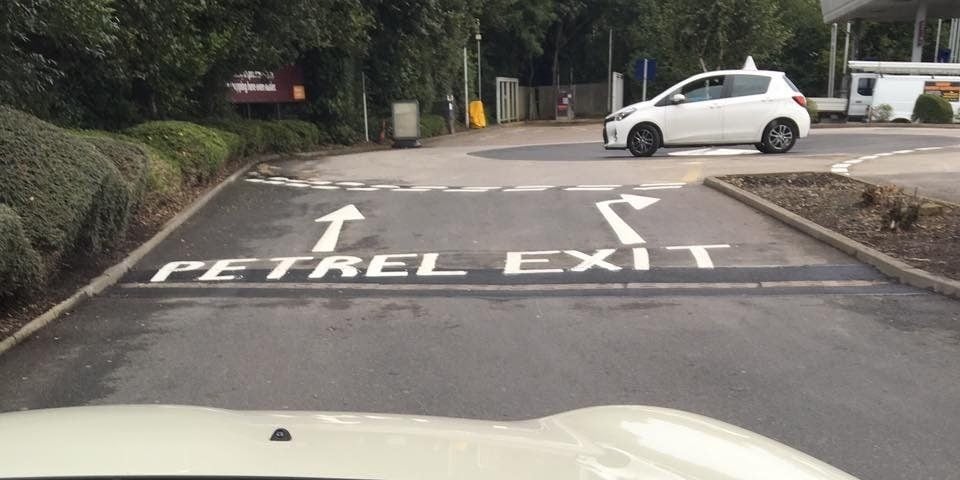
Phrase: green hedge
x=278 y=138
x=235 y=146
x=20 y=265
x=307 y=134
x=164 y=180
x=813 y=110
x=250 y=132
x=198 y=151
x=932 y=109
x=432 y=125
x=67 y=194
x=130 y=158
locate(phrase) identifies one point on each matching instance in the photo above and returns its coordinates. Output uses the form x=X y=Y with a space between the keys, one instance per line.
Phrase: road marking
x=325 y=187
x=431 y=187
x=351 y=184
x=328 y=241
x=589 y=189
x=903 y=151
x=362 y=189
x=483 y=287
x=714 y=152
x=927 y=149
x=299 y=185
x=385 y=186
x=463 y=190
x=624 y=233
x=663 y=184
x=413 y=190
x=700 y=254
x=664 y=187
x=524 y=189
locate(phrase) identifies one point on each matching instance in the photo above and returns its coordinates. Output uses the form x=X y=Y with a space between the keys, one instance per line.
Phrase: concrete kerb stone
x=112 y=275
x=886 y=264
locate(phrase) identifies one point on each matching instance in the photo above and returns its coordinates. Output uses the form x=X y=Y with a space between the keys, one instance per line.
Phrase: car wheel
x=644 y=140
x=778 y=137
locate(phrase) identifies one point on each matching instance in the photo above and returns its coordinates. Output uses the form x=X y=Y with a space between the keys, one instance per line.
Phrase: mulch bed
x=836 y=202
x=76 y=273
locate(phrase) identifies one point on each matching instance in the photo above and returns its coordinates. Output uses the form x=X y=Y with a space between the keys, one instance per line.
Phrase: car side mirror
x=678 y=99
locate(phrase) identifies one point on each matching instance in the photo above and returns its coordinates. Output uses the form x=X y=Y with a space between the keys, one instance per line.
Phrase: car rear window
x=744 y=85
x=790 y=83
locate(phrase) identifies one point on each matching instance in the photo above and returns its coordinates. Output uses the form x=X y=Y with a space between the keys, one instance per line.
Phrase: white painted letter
x=429 y=264
x=224 y=266
x=597 y=259
x=284 y=266
x=641 y=259
x=515 y=260
x=378 y=262
x=345 y=264
x=171 y=267
x=700 y=253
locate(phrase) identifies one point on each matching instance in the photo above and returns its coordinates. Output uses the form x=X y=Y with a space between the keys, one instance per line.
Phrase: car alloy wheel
x=778 y=137
x=643 y=141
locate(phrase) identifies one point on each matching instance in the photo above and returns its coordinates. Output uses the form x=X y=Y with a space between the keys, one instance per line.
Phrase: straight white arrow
x=626 y=234
x=328 y=241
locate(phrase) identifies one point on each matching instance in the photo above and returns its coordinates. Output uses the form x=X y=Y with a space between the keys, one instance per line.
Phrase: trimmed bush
x=198 y=151
x=130 y=158
x=432 y=125
x=307 y=134
x=278 y=138
x=932 y=109
x=20 y=265
x=65 y=191
x=881 y=113
x=250 y=132
x=235 y=146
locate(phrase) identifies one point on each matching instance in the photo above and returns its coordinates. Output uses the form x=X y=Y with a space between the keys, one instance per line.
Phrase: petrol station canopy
x=886 y=10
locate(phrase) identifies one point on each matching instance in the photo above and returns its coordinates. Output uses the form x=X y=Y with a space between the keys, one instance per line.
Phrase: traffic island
x=906 y=236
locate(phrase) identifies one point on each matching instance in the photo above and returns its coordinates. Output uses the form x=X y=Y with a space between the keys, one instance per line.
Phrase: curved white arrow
x=328 y=241
x=626 y=234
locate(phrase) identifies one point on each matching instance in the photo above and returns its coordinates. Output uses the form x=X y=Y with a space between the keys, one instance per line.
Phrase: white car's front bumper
x=613 y=138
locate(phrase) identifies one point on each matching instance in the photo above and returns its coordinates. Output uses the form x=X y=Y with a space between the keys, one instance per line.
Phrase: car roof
x=766 y=73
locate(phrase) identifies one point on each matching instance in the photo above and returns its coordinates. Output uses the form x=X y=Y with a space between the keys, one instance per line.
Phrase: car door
x=747 y=108
x=697 y=120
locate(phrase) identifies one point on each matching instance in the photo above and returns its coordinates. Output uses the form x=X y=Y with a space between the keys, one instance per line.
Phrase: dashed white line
x=661 y=187
x=385 y=186
x=362 y=189
x=662 y=184
x=460 y=190
x=351 y=184
x=410 y=190
x=430 y=187
x=927 y=149
x=903 y=151
x=589 y=189
x=325 y=187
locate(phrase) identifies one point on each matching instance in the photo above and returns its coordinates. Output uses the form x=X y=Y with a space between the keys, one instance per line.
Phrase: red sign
x=283 y=86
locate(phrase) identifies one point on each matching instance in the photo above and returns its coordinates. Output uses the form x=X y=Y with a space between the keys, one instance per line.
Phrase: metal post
x=610 y=72
x=936 y=47
x=919 y=27
x=954 y=39
x=466 y=92
x=831 y=77
x=366 y=126
x=846 y=50
x=645 y=62
x=479 y=77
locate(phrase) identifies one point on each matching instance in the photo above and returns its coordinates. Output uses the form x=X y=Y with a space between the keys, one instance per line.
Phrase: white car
x=727 y=107
x=611 y=442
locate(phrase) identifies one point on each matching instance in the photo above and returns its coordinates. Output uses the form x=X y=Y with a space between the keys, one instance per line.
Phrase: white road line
x=411 y=190
x=524 y=189
x=481 y=188
x=362 y=189
x=589 y=189
x=254 y=180
x=663 y=187
x=868 y=157
x=886 y=154
x=294 y=180
x=325 y=187
x=534 y=186
x=282 y=179
x=927 y=149
x=385 y=186
x=510 y=287
x=903 y=151
x=431 y=187
x=662 y=184
x=298 y=185
x=853 y=162
x=599 y=186
x=274 y=182
x=351 y=184
x=458 y=190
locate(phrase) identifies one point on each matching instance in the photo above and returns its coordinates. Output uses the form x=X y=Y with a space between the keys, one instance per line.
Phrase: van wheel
x=778 y=137
x=644 y=140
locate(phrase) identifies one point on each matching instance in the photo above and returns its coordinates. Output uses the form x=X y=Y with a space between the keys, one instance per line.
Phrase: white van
x=898 y=91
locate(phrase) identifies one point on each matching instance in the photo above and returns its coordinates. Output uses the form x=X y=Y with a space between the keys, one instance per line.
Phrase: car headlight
x=623 y=114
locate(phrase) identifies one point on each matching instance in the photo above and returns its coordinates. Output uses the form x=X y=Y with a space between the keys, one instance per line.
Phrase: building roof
x=888 y=10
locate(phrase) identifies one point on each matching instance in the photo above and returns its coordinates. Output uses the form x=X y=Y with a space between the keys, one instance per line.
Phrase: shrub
x=20 y=270
x=130 y=158
x=235 y=146
x=198 y=151
x=813 y=110
x=64 y=190
x=307 y=134
x=278 y=138
x=164 y=180
x=932 y=109
x=881 y=113
x=250 y=132
x=432 y=125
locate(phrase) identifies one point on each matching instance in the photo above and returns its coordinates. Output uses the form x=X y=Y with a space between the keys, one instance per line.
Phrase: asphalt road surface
x=345 y=284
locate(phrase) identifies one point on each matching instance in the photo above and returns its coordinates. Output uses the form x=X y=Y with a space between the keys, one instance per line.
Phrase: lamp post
x=479 y=77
